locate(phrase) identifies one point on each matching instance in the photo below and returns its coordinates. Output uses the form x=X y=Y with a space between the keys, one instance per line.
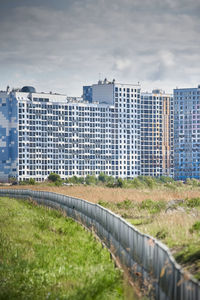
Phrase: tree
x=90 y=180
x=102 y=177
x=54 y=177
x=32 y=181
x=119 y=182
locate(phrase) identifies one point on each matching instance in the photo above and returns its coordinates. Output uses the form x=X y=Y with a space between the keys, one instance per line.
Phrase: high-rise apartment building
x=156 y=134
x=8 y=136
x=42 y=133
x=187 y=133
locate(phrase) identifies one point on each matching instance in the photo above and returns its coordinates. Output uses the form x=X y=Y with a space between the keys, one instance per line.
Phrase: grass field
x=44 y=255
x=146 y=208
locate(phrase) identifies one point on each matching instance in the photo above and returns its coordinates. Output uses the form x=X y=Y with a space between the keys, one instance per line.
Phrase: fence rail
x=144 y=256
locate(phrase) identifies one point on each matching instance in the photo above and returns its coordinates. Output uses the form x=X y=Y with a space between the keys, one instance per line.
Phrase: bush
x=90 y=180
x=136 y=183
x=195 y=227
x=125 y=204
x=150 y=182
x=12 y=180
x=58 y=182
x=102 y=177
x=54 y=177
x=24 y=182
x=110 y=181
x=161 y=234
x=193 y=182
x=119 y=182
x=194 y=202
x=166 y=179
x=153 y=206
x=32 y=181
x=75 y=180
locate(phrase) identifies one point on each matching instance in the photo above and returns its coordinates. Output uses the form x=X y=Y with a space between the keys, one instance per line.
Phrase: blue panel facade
x=87 y=93
x=187 y=133
x=8 y=137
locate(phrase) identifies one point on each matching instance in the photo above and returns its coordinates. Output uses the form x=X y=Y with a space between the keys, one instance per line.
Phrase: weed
x=152 y=206
x=170 y=186
x=195 y=227
x=104 y=203
x=189 y=254
x=43 y=223
x=194 y=202
x=125 y=204
x=161 y=234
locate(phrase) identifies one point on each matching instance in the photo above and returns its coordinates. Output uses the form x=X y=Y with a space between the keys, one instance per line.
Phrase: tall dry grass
x=99 y=193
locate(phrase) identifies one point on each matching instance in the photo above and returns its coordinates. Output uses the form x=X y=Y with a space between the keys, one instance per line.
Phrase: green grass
x=44 y=255
x=190 y=255
x=178 y=229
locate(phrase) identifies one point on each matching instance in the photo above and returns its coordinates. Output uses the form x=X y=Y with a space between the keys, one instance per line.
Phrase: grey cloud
x=150 y=41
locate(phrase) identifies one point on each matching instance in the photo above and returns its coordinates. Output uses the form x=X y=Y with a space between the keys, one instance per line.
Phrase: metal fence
x=144 y=257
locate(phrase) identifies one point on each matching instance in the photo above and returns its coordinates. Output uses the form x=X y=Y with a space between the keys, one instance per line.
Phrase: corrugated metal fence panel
x=144 y=256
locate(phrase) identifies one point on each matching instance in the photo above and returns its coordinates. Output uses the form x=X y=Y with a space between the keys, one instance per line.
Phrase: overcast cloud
x=64 y=44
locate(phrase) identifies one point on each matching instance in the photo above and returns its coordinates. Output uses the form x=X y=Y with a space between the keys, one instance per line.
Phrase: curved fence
x=145 y=258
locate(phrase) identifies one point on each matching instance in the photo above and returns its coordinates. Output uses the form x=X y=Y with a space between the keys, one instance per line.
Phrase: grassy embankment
x=144 y=203
x=44 y=255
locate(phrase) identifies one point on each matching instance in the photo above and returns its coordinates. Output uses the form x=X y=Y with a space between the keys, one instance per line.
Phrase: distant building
x=8 y=136
x=156 y=134
x=87 y=93
x=187 y=133
x=42 y=133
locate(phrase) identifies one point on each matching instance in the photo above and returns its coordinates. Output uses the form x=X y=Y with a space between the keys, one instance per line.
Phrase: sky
x=61 y=45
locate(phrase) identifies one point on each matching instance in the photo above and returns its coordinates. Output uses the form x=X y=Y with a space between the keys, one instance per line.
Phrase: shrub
x=170 y=186
x=189 y=254
x=102 y=177
x=166 y=179
x=90 y=180
x=58 y=182
x=125 y=204
x=75 y=180
x=195 y=227
x=110 y=181
x=136 y=183
x=150 y=181
x=153 y=206
x=119 y=182
x=192 y=182
x=32 y=181
x=24 y=182
x=147 y=181
x=54 y=177
x=12 y=180
x=161 y=234
x=103 y=203
x=193 y=202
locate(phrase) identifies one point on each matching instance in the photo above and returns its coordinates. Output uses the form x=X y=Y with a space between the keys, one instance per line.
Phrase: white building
x=70 y=137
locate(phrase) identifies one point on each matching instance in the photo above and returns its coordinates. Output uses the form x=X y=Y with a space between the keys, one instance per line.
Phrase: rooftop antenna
x=8 y=89
x=100 y=81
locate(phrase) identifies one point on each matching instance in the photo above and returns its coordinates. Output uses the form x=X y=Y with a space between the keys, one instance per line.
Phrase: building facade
x=8 y=136
x=87 y=93
x=187 y=133
x=43 y=133
x=156 y=134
